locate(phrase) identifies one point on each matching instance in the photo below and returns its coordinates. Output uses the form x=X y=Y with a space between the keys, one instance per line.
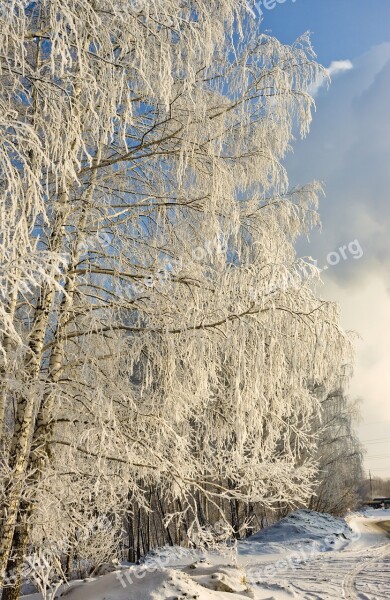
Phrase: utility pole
x=371 y=484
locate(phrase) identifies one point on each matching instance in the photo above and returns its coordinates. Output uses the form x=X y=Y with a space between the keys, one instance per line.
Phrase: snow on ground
x=205 y=582
x=351 y=562
x=307 y=555
x=310 y=530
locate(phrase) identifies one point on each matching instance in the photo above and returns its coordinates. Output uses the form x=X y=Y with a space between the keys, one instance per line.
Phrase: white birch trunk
x=35 y=451
x=22 y=436
x=27 y=408
x=7 y=344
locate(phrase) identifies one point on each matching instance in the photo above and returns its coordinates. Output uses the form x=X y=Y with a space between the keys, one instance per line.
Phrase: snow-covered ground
x=307 y=555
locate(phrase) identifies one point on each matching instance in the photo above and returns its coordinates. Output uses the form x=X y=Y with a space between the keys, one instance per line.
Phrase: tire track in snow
x=351 y=573
x=350 y=591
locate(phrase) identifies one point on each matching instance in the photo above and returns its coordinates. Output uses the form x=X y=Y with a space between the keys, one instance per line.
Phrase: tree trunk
x=131 y=540
x=3 y=384
x=69 y=564
x=24 y=427
x=41 y=430
x=27 y=409
x=16 y=560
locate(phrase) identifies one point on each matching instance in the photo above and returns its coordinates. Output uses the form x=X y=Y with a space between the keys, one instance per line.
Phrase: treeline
x=374 y=487
x=336 y=489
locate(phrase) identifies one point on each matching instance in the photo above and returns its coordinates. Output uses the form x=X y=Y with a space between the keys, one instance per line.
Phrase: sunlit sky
x=349 y=150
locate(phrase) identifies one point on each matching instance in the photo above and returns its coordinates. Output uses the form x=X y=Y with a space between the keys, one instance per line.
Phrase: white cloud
x=367 y=308
x=339 y=66
x=335 y=68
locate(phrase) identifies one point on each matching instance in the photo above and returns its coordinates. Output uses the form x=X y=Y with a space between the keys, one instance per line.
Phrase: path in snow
x=358 y=571
x=371 y=577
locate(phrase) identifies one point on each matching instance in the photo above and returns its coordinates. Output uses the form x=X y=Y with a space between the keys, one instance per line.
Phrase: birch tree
x=157 y=327
x=339 y=455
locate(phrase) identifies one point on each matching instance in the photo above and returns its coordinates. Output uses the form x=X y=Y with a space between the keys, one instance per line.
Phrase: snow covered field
x=307 y=555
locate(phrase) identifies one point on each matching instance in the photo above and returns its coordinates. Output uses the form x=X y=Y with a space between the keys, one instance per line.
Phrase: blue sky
x=348 y=149
x=340 y=27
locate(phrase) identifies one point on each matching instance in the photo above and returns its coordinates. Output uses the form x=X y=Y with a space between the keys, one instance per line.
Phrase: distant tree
x=339 y=455
x=374 y=487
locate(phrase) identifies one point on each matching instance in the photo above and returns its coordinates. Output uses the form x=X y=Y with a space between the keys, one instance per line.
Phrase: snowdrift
x=320 y=531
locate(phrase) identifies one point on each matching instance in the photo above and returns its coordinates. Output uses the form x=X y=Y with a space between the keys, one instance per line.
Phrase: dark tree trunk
x=16 y=561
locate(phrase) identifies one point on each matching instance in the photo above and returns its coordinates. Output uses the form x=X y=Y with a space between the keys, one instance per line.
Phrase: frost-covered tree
x=157 y=329
x=339 y=455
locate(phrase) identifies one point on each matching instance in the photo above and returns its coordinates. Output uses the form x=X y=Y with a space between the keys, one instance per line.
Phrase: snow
x=305 y=528
x=208 y=583
x=307 y=555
